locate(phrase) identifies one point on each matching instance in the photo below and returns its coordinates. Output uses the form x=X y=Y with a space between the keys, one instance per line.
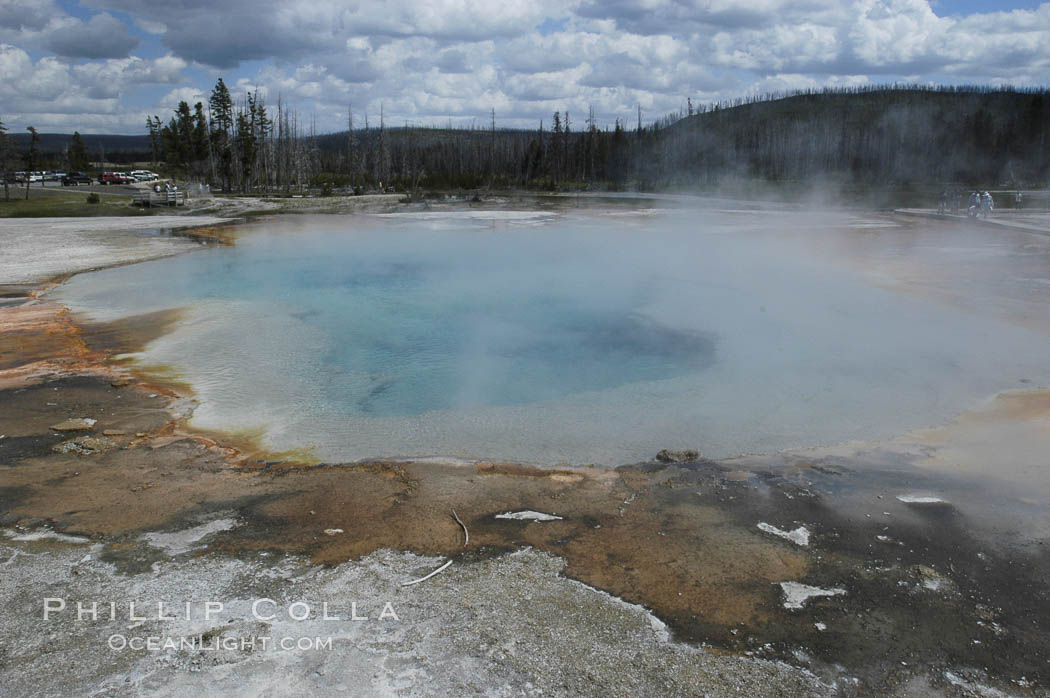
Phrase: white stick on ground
x=466 y=533
x=423 y=579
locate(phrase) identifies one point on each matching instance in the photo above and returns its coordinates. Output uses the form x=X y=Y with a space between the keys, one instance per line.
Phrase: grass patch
x=47 y=203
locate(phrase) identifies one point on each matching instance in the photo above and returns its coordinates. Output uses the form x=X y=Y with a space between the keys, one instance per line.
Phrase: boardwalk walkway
x=162 y=198
x=1032 y=221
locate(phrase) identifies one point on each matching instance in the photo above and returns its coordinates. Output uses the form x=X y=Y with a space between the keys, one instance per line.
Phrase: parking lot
x=111 y=188
x=107 y=178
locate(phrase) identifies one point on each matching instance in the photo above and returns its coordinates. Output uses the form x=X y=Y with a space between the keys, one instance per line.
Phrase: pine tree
x=351 y=160
x=153 y=127
x=199 y=137
x=383 y=169
x=565 y=146
x=262 y=129
x=178 y=138
x=591 y=143
x=78 y=155
x=492 y=149
x=221 y=105
x=556 y=147
x=31 y=157
x=5 y=156
x=169 y=143
x=184 y=122
x=252 y=126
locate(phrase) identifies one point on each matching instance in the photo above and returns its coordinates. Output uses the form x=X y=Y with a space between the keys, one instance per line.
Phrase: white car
x=144 y=176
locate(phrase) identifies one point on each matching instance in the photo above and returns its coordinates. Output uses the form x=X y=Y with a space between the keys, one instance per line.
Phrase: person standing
x=987 y=204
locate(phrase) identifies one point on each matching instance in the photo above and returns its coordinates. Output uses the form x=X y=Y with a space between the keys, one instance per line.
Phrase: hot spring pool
x=554 y=337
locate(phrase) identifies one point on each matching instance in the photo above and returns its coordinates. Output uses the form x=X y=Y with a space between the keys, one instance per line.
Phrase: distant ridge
x=57 y=142
x=896 y=135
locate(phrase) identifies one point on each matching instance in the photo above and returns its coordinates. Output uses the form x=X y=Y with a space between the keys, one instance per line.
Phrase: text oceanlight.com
x=205 y=643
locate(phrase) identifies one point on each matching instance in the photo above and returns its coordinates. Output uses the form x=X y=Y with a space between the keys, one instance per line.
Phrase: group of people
x=168 y=186
x=980 y=203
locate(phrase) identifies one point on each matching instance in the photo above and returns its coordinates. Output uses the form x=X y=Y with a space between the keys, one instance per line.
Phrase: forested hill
x=95 y=143
x=970 y=136
x=966 y=136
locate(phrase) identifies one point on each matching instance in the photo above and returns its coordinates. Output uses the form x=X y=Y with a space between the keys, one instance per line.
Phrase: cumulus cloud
x=453 y=61
x=460 y=58
x=291 y=29
x=20 y=15
x=111 y=78
x=47 y=26
x=676 y=16
x=188 y=94
x=534 y=53
x=50 y=91
x=45 y=85
x=102 y=36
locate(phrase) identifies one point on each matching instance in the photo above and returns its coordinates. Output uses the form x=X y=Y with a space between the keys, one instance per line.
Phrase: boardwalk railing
x=162 y=198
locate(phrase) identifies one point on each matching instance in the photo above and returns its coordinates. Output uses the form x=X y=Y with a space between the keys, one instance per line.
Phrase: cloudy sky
x=100 y=66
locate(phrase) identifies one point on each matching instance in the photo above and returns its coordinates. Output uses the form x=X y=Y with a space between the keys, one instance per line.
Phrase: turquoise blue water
x=553 y=338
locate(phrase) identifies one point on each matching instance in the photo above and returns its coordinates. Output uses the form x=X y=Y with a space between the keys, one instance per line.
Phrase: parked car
x=75 y=179
x=54 y=176
x=114 y=178
x=144 y=176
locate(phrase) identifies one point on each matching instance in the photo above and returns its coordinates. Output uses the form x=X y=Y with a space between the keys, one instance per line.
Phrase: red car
x=114 y=178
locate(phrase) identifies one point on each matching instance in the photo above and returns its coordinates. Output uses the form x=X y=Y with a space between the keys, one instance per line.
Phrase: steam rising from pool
x=554 y=338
